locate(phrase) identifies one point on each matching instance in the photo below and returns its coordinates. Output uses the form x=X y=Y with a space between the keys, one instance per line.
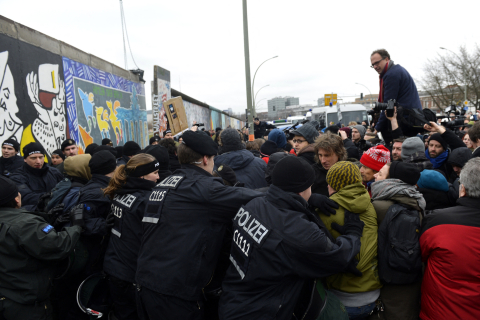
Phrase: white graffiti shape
x=10 y=124
x=48 y=96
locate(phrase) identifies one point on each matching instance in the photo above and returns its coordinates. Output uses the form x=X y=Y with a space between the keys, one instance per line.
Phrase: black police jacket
x=10 y=165
x=29 y=251
x=32 y=183
x=95 y=235
x=261 y=129
x=128 y=206
x=122 y=160
x=184 y=224
x=278 y=246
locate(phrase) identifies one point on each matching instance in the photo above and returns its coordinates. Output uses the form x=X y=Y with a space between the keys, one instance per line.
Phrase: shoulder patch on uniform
x=47 y=229
x=171 y=182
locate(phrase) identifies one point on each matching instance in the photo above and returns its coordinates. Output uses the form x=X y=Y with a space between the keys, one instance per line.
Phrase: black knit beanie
x=102 y=162
x=119 y=151
x=293 y=174
x=89 y=149
x=438 y=137
x=59 y=153
x=32 y=148
x=406 y=172
x=105 y=148
x=231 y=141
x=268 y=148
x=161 y=154
x=12 y=143
x=131 y=148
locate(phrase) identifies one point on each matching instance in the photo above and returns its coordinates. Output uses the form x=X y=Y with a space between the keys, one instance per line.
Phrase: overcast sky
x=323 y=46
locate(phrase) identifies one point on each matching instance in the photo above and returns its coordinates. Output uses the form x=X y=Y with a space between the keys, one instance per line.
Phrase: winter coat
x=308 y=154
x=29 y=255
x=173 y=163
x=32 y=183
x=320 y=184
x=122 y=160
x=356 y=199
x=437 y=192
x=10 y=165
x=450 y=244
x=398 y=85
x=260 y=130
x=400 y=301
x=271 y=266
x=249 y=169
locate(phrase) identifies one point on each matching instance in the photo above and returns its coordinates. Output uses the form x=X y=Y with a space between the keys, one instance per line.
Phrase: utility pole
x=251 y=136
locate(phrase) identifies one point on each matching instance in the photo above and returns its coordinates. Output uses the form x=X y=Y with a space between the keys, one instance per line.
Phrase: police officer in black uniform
x=279 y=248
x=129 y=189
x=161 y=154
x=29 y=251
x=35 y=178
x=184 y=224
x=10 y=160
x=130 y=148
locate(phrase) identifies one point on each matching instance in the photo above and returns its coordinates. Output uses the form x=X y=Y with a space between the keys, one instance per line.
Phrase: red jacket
x=450 y=244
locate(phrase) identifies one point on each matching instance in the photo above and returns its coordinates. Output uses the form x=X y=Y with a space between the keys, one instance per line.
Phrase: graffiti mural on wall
x=197 y=113
x=32 y=95
x=102 y=105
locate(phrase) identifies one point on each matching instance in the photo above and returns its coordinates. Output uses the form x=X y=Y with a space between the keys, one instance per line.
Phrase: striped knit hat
x=343 y=173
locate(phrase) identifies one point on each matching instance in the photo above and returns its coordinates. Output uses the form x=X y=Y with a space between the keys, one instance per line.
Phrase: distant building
x=368 y=100
x=280 y=103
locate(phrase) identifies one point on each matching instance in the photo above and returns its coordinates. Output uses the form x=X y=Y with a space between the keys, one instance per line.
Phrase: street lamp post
x=367 y=89
x=247 y=72
x=253 y=83
x=463 y=70
x=255 y=98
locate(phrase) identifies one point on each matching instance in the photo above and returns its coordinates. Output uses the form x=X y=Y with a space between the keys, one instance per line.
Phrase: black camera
x=199 y=124
x=388 y=106
x=459 y=121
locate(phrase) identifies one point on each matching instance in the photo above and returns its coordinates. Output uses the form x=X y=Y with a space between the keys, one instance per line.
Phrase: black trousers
x=10 y=310
x=153 y=306
x=124 y=299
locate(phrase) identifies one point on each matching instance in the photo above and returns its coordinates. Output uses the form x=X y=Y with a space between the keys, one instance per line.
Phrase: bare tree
x=447 y=76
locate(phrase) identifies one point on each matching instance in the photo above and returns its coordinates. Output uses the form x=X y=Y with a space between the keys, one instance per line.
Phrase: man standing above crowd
x=10 y=160
x=395 y=83
x=260 y=128
x=35 y=177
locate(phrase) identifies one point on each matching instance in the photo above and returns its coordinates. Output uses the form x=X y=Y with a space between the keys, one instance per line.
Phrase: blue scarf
x=438 y=161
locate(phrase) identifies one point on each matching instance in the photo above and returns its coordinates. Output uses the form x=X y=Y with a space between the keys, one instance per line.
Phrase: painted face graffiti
x=10 y=124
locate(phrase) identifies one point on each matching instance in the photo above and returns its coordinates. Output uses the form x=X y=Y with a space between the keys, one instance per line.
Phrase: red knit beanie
x=376 y=157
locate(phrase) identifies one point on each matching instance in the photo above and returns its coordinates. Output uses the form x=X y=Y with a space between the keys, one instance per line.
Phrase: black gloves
x=325 y=204
x=42 y=202
x=352 y=268
x=55 y=213
x=352 y=225
x=76 y=215
x=110 y=221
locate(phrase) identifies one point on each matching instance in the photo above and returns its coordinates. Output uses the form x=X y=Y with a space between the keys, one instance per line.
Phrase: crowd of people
x=339 y=222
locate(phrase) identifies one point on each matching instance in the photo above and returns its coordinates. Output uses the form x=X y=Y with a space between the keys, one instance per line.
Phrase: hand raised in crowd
x=393 y=119
x=326 y=205
x=343 y=134
x=194 y=127
x=433 y=127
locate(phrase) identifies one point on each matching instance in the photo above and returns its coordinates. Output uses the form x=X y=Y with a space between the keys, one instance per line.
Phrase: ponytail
x=116 y=182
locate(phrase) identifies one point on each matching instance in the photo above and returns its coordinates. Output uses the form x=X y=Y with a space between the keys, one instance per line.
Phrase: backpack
x=399 y=255
x=58 y=193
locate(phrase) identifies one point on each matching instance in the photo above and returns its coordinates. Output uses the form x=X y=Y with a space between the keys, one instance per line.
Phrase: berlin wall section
x=51 y=91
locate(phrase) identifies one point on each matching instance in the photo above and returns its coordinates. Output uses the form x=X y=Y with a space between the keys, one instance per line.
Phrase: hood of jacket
x=354 y=198
x=77 y=166
x=235 y=159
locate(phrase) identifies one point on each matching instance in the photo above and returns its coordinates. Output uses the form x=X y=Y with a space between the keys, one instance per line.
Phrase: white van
x=328 y=116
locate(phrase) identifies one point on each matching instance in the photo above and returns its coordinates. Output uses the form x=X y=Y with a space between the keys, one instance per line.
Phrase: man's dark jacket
x=32 y=183
x=278 y=247
x=398 y=85
x=29 y=254
x=183 y=227
x=10 y=165
x=249 y=169
x=261 y=129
